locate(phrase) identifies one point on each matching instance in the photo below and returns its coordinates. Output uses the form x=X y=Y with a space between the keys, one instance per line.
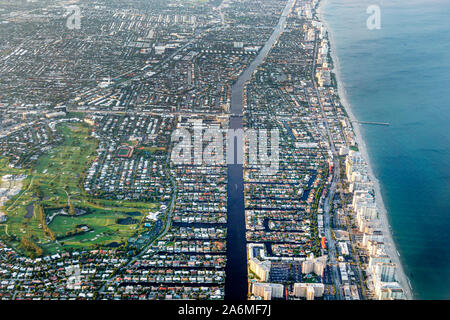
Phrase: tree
x=47 y=230
x=32 y=248
x=71 y=210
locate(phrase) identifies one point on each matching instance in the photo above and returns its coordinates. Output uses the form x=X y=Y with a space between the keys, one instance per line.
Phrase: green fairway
x=103 y=229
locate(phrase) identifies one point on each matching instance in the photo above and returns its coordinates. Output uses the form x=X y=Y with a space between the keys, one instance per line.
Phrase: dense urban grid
x=92 y=203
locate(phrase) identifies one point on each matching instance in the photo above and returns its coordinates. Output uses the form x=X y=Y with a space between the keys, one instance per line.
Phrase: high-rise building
x=267 y=291
x=386 y=271
x=314 y=265
x=389 y=291
x=303 y=290
x=260 y=268
x=310 y=292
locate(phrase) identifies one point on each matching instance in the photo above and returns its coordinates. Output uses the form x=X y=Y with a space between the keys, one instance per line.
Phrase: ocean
x=400 y=74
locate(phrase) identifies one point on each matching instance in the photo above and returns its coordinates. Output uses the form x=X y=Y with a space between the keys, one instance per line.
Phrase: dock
x=373 y=123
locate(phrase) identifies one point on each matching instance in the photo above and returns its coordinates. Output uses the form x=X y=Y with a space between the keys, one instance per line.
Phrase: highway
x=331 y=245
x=330 y=195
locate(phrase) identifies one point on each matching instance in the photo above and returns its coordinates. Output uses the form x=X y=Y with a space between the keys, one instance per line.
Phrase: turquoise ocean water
x=401 y=74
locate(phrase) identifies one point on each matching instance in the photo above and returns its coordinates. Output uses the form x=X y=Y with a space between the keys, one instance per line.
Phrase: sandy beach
x=389 y=242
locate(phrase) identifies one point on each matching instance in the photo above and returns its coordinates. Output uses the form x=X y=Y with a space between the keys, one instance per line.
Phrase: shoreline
x=390 y=246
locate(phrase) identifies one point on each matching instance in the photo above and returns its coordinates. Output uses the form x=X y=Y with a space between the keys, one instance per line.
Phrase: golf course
x=53 y=213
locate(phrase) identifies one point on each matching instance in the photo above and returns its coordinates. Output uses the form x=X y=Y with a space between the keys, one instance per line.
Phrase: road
x=327 y=203
x=331 y=245
x=139 y=113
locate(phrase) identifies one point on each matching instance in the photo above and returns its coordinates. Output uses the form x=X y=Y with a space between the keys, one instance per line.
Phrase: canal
x=236 y=283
